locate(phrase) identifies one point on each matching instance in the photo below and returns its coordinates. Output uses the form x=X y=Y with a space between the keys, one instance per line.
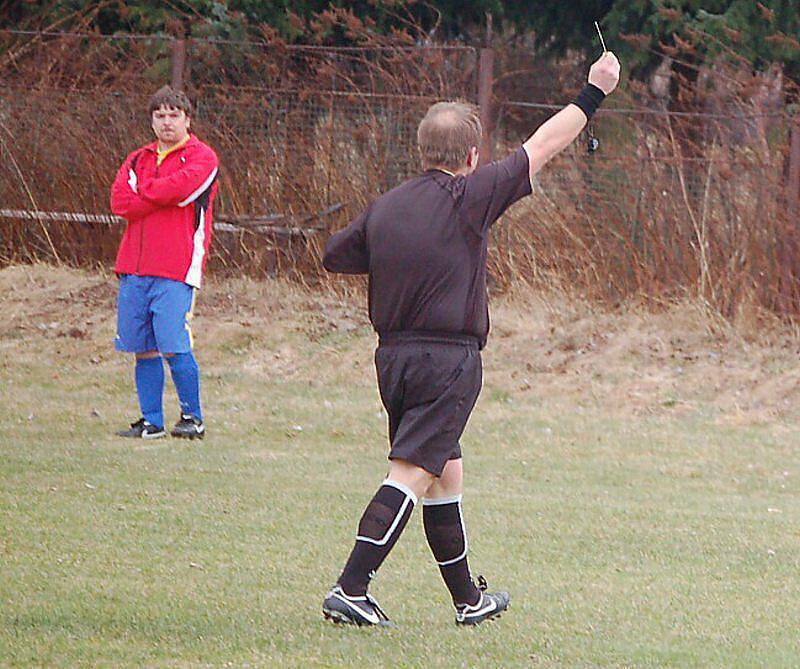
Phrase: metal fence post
x=178 y=63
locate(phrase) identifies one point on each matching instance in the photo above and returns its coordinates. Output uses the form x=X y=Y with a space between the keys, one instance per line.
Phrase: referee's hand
x=604 y=72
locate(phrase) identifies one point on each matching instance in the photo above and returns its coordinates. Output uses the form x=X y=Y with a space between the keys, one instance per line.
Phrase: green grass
x=625 y=541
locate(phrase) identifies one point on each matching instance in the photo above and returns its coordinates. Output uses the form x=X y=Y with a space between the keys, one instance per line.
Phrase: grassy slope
x=627 y=538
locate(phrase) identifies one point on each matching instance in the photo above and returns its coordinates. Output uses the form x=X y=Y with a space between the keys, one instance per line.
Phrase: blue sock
x=186 y=377
x=150 y=388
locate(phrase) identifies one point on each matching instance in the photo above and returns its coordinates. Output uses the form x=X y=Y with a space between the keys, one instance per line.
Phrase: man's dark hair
x=166 y=96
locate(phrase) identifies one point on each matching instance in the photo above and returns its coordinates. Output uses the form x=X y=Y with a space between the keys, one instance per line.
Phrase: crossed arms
x=132 y=199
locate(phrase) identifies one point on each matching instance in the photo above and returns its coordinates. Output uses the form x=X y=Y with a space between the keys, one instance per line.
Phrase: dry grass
x=671 y=205
x=634 y=530
x=684 y=359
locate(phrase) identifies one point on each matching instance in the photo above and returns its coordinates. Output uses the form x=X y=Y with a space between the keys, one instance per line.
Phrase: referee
x=424 y=245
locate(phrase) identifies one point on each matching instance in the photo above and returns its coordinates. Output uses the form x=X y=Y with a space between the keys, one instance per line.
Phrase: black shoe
x=490 y=605
x=141 y=429
x=188 y=427
x=342 y=608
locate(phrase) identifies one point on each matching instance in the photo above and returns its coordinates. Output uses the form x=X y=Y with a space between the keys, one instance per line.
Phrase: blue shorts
x=153 y=314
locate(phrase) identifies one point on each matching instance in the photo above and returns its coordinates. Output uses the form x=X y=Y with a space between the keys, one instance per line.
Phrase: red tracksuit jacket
x=169 y=215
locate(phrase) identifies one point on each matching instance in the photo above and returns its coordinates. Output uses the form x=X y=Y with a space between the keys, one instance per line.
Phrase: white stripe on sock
x=436 y=501
x=411 y=498
x=463 y=533
x=402 y=487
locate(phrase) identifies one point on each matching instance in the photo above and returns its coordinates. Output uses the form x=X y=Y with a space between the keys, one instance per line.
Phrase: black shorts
x=429 y=384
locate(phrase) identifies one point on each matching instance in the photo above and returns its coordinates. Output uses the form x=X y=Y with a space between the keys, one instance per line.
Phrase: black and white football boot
x=362 y=611
x=142 y=429
x=490 y=605
x=188 y=427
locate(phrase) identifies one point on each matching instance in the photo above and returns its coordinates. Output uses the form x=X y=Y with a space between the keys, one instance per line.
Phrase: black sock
x=444 y=528
x=382 y=523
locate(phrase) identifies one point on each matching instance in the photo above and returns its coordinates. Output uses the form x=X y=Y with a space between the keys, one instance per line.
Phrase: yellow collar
x=163 y=154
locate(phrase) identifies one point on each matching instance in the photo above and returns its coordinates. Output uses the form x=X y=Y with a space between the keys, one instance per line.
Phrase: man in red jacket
x=165 y=190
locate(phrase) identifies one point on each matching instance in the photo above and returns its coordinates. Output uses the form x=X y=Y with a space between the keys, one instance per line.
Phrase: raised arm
x=561 y=129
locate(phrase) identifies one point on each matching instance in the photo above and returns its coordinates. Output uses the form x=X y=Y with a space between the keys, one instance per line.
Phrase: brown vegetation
x=687 y=203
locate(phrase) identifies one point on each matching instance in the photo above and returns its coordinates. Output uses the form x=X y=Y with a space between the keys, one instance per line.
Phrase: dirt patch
x=682 y=360
x=54 y=301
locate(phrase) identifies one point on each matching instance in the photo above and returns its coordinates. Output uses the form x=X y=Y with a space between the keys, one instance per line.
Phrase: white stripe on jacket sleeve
x=200 y=190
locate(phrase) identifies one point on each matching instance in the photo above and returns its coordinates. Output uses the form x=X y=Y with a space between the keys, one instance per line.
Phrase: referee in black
x=424 y=246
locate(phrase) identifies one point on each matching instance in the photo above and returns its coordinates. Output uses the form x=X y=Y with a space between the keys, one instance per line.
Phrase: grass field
x=661 y=531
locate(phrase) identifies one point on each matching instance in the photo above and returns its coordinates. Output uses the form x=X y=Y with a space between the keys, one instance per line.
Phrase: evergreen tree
x=639 y=30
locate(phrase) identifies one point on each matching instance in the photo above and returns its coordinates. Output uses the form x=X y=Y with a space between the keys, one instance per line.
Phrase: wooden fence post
x=485 y=85
x=485 y=92
x=178 y=63
x=793 y=183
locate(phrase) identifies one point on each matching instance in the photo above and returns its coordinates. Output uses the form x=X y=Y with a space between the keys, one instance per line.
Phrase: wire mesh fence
x=667 y=204
x=298 y=129
x=671 y=202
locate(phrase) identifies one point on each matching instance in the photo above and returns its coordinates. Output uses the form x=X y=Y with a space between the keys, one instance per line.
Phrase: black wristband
x=589 y=99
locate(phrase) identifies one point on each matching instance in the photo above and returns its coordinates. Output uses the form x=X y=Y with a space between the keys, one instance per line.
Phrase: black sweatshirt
x=424 y=247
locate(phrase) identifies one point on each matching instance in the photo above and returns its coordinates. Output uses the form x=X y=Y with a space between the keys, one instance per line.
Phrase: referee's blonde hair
x=447 y=133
